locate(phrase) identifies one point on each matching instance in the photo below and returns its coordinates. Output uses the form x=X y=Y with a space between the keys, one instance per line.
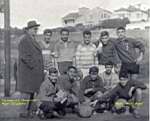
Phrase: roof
x=71 y=16
x=130 y=9
x=104 y=10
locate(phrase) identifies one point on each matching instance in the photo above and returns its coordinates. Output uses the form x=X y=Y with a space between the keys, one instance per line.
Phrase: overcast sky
x=49 y=12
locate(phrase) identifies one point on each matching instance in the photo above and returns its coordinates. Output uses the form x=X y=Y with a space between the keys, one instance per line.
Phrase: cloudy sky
x=49 y=12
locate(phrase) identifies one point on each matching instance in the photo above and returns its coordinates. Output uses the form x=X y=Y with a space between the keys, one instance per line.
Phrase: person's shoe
x=136 y=114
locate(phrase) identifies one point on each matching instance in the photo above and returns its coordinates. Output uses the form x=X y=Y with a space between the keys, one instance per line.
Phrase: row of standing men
x=37 y=58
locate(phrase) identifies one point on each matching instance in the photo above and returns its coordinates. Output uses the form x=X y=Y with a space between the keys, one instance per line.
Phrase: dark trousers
x=48 y=107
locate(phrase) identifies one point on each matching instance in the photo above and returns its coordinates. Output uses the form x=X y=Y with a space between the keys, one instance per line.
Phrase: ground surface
x=10 y=113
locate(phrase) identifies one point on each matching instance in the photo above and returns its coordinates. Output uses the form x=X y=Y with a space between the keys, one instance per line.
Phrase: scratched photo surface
x=68 y=60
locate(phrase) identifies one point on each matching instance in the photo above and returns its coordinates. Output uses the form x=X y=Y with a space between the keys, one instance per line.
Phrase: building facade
x=133 y=13
x=86 y=16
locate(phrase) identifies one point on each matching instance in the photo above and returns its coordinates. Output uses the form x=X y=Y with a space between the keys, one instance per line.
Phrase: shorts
x=129 y=68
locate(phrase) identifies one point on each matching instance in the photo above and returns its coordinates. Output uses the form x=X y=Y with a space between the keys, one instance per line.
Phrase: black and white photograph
x=74 y=60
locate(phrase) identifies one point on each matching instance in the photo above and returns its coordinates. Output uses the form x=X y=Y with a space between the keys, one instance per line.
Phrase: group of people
x=87 y=78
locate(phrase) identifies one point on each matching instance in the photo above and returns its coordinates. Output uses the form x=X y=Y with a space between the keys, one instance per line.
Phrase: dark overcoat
x=30 y=65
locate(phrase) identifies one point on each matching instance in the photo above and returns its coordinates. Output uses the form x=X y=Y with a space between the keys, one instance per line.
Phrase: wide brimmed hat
x=32 y=24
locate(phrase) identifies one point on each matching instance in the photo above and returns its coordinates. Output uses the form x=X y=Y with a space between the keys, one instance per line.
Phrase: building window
x=105 y=15
x=101 y=15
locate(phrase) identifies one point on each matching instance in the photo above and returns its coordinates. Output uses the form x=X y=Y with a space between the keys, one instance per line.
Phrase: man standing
x=85 y=54
x=47 y=50
x=64 y=51
x=30 y=65
x=126 y=48
x=106 y=52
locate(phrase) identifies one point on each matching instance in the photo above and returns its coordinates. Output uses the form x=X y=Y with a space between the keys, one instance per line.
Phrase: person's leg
x=24 y=109
x=134 y=70
x=137 y=98
x=46 y=109
x=124 y=69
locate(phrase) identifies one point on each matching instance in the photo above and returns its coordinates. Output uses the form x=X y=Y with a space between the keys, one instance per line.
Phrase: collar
x=62 y=42
x=122 y=40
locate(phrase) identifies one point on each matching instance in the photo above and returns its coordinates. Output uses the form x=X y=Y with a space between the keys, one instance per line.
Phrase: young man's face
x=108 y=69
x=105 y=39
x=87 y=38
x=47 y=37
x=123 y=81
x=64 y=36
x=121 y=33
x=53 y=77
x=72 y=73
x=93 y=76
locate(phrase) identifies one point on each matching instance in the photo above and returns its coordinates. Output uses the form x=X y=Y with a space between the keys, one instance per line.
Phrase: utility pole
x=7 y=47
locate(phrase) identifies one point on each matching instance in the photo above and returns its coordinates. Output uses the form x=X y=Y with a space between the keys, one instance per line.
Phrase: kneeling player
x=52 y=100
x=126 y=94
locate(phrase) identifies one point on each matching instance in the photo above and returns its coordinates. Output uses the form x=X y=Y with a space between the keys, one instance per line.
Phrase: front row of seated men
x=59 y=93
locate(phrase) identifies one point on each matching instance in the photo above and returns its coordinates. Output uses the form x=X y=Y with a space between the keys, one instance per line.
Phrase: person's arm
x=111 y=94
x=56 y=50
x=44 y=95
x=138 y=84
x=116 y=59
x=95 y=55
x=140 y=46
x=25 y=54
x=82 y=90
x=101 y=86
x=77 y=56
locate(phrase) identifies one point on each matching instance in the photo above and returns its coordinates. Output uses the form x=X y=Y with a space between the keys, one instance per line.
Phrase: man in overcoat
x=30 y=66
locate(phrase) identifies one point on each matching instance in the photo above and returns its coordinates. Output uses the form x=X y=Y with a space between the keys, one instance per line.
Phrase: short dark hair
x=64 y=29
x=123 y=75
x=87 y=32
x=47 y=31
x=53 y=70
x=72 y=67
x=121 y=27
x=93 y=69
x=104 y=33
x=109 y=63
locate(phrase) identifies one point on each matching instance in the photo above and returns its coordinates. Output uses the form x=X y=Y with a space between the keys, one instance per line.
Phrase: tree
x=114 y=23
x=1 y=6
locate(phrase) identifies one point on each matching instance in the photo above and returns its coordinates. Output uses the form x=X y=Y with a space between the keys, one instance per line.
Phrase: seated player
x=110 y=79
x=91 y=87
x=126 y=94
x=70 y=84
x=51 y=99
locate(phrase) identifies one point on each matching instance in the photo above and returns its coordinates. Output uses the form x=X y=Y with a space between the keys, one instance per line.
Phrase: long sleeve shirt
x=69 y=85
x=87 y=83
x=126 y=49
x=108 y=53
x=48 y=90
x=123 y=91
